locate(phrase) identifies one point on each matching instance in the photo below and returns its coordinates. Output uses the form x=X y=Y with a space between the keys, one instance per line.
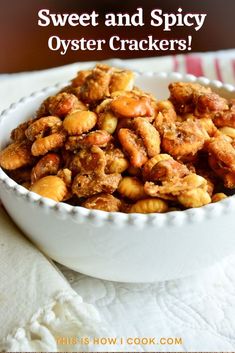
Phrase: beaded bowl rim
x=97 y=217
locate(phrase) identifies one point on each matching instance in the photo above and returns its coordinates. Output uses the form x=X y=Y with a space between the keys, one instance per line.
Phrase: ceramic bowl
x=118 y=246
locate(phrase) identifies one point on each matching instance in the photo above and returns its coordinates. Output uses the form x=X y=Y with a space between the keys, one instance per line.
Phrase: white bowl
x=118 y=246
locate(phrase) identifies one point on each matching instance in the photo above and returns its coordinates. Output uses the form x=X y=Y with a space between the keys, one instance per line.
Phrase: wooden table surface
x=24 y=44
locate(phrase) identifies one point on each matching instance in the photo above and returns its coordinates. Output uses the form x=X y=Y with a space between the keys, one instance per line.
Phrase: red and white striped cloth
x=209 y=65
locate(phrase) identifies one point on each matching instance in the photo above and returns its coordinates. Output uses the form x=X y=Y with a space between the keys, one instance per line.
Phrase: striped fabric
x=220 y=67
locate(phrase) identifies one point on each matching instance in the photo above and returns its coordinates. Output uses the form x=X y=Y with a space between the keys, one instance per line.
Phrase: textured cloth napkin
x=37 y=304
x=199 y=309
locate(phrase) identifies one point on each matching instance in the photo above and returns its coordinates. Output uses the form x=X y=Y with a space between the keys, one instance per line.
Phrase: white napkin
x=37 y=305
